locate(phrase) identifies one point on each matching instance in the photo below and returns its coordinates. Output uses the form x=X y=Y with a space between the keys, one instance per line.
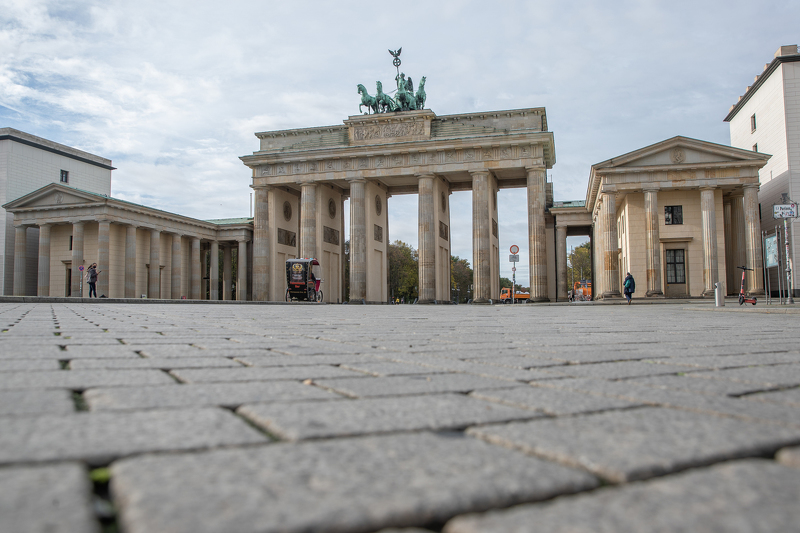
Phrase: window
x=65 y=176
x=753 y=123
x=673 y=214
x=755 y=147
x=676 y=266
x=70 y=242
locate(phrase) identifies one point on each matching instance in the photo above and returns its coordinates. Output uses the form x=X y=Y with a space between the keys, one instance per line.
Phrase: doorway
x=675 y=273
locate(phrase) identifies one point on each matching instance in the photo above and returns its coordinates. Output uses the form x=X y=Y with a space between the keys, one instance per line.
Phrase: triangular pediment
x=682 y=151
x=54 y=195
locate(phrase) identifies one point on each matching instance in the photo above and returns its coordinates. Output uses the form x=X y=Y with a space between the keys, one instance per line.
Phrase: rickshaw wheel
x=319 y=296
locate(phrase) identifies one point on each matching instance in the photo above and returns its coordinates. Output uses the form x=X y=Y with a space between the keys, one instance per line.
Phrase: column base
x=757 y=292
x=709 y=293
x=428 y=302
x=650 y=294
x=540 y=299
x=480 y=301
x=356 y=302
x=611 y=294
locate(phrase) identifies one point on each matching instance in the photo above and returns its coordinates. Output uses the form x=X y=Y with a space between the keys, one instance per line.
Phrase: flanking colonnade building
x=680 y=215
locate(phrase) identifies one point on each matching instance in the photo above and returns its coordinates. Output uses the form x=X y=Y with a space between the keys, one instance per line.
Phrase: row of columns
x=744 y=222
x=154 y=277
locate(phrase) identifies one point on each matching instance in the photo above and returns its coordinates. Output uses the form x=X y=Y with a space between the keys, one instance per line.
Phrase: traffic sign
x=513 y=259
x=80 y=268
x=514 y=249
x=513 y=269
x=784 y=211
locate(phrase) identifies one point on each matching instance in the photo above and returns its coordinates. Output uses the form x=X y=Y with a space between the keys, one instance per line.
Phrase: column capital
x=424 y=175
x=356 y=180
x=755 y=186
x=608 y=190
x=650 y=188
x=474 y=173
x=261 y=187
x=535 y=169
x=45 y=225
x=709 y=188
x=22 y=226
x=242 y=239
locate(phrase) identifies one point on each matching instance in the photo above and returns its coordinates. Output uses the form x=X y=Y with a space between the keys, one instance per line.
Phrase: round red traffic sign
x=80 y=268
x=513 y=269
x=514 y=248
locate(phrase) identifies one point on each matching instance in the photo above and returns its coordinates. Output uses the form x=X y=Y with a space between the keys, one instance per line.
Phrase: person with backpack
x=630 y=287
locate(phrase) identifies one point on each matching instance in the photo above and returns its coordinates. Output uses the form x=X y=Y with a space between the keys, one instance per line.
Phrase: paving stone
x=682 y=399
x=204 y=394
x=52 y=499
x=719 y=362
x=13 y=350
x=742 y=496
x=80 y=379
x=784 y=397
x=771 y=376
x=719 y=387
x=388 y=368
x=203 y=375
x=99 y=438
x=296 y=360
x=478 y=369
x=163 y=363
x=10 y=365
x=553 y=401
x=633 y=444
x=310 y=420
x=359 y=484
x=26 y=402
x=789 y=456
x=516 y=361
x=620 y=370
x=83 y=351
x=411 y=385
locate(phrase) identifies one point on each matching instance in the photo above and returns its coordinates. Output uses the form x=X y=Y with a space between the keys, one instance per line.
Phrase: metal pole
x=780 y=277
x=790 y=298
x=764 y=262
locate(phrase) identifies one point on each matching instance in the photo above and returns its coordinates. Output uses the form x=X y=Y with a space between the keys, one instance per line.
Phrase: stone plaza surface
x=260 y=418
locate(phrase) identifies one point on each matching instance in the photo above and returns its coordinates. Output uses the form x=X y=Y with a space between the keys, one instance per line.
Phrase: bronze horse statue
x=367 y=100
x=404 y=98
x=420 y=96
x=385 y=102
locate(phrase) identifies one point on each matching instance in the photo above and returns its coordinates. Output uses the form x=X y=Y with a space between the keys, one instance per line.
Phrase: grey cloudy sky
x=173 y=91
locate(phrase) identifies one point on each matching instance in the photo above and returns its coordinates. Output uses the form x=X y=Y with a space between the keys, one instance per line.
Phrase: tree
x=460 y=278
x=403 y=271
x=579 y=264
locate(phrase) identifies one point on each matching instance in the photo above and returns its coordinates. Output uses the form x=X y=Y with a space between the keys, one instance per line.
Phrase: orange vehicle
x=505 y=295
x=582 y=290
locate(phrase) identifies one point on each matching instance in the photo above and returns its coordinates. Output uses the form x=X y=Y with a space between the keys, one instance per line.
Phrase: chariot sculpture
x=405 y=99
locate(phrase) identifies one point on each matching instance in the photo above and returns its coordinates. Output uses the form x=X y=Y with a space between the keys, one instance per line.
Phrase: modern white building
x=28 y=163
x=767 y=119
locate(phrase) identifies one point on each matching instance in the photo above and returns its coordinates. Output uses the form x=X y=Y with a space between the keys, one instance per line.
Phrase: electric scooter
x=742 y=298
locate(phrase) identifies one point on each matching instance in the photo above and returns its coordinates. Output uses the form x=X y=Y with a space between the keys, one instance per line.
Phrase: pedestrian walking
x=630 y=287
x=91 y=278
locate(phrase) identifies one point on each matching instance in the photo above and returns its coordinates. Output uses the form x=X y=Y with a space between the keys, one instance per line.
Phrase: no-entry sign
x=514 y=249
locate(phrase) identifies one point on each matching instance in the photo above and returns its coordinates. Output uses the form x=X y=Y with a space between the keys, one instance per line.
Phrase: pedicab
x=301 y=283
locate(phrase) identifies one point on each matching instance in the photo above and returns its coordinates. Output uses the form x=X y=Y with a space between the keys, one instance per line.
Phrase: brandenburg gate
x=301 y=178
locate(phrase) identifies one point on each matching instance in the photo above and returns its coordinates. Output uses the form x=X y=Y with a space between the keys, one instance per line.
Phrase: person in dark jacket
x=91 y=277
x=630 y=287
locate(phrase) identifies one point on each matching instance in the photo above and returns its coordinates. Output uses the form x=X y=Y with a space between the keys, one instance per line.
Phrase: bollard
x=719 y=295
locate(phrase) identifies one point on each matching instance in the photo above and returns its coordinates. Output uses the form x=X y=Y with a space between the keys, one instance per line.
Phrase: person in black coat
x=630 y=287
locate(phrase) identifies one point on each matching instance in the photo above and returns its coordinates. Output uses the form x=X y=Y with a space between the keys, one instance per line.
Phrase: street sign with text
x=513 y=258
x=784 y=211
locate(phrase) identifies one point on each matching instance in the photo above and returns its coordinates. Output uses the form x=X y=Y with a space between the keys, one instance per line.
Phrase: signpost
x=786 y=211
x=81 y=289
x=513 y=258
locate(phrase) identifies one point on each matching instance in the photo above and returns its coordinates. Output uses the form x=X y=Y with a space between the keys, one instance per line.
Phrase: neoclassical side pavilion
x=302 y=176
x=680 y=215
x=77 y=228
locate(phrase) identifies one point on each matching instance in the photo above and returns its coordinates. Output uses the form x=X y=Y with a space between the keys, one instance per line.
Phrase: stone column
x=308 y=220
x=103 y=241
x=261 y=245
x=610 y=258
x=561 y=257
x=730 y=281
x=653 y=243
x=598 y=268
x=241 y=275
x=195 y=269
x=738 y=247
x=130 y=262
x=43 y=287
x=77 y=258
x=537 y=244
x=213 y=274
x=481 y=238
x=20 y=259
x=358 y=241
x=204 y=272
x=177 y=255
x=154 y=276
x=226 y=271
x=754 y=279
x=427 y=240
x=710 y=271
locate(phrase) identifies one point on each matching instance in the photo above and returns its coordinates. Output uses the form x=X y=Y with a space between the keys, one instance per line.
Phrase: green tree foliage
x=403 y=271
x=460 y=278
x=580 y=264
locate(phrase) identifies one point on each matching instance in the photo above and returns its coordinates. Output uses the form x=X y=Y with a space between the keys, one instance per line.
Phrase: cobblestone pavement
x=296 y=418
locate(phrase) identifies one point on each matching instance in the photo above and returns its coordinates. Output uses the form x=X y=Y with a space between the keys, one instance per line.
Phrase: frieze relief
x=382 y=131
